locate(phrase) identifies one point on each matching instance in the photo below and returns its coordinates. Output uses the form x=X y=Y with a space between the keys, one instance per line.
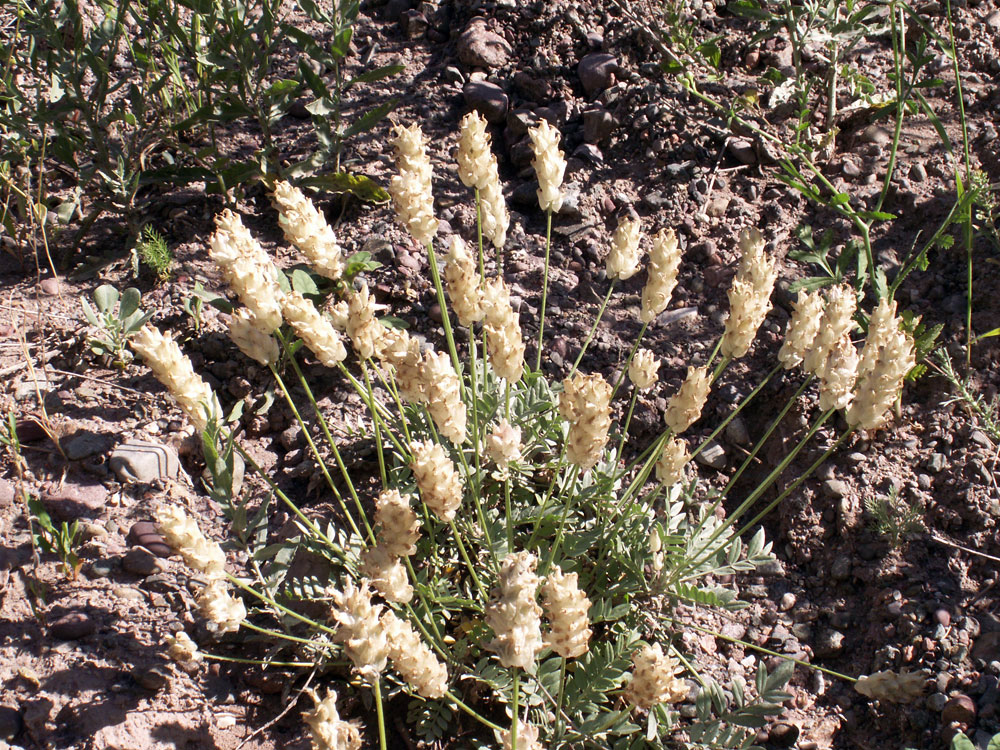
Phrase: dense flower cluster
x=684 y=409
x=567 y=609
x=439 y=484
x=514 y=614
x=654 y=679
x=306 y=228
x=174 y=370
x=586 y=404
x=549 y=164
x=749 y=295
x=661 y=278
x=411 y=188
x=623 y=260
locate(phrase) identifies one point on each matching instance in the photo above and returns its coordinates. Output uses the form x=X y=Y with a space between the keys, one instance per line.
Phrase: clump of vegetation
x=117 y=318
x=153 y=251
x=893 y=518
x=525 y=561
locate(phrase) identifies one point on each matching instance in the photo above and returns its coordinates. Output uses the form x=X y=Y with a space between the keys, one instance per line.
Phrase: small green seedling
x=115 y=326
x=152 y=249
x=61 y=540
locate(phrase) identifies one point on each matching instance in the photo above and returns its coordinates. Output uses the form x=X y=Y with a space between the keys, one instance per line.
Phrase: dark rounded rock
x=72 y=626
x=479 y=47
x=486 y=98
x=10 y=723
x=72 y=501
x=140 y=562
x=960 y=708
x=783 y=734
x=596 y=71
x=154 y=679
x=144 y=534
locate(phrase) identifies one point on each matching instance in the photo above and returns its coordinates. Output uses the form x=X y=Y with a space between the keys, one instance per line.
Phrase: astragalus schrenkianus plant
x=516 y=567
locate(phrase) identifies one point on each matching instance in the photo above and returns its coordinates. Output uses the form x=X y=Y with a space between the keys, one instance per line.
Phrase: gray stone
x=787 y=601
x=413 y=24
x=876 y=134
x=829 y=643
x=83 y=445
x=144 y=534
x=712 y=455
x=736 y=431
x=589 y=152
x=992 y=21
x=479 y=47
x=144 y=461
x=452 y=74
x=936 y=463
x=570 y=207
x=102 y=567
x=155 y=678
x=486 y=98
x=841 y=568
x=598 y=124
x=918 y=172
x=72 y=626
x=742 y=150
x=836 y=488
x=596 y=71
x=783 y=734
x=72 y=501
x=50 y=286
x=655 y=199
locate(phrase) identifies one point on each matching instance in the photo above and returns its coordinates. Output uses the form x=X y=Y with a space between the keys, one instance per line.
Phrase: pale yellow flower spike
x=360 y=630
x=684 y=409
x=314 y=329
x=463 y=283
x=306 y=228
x=568 y=610
x=749 y=295
x=174 y=370
x=653 y=679
x=515 y=615
x=549 y=164
x=670 y=466
x=329 y=731
x=802 y=329
x=246 y=334
x=664 y=264
x=586 y=404
x=439 y=484
x=623 y=260
x=411 y=188
x=413 y=659
x=642 y=369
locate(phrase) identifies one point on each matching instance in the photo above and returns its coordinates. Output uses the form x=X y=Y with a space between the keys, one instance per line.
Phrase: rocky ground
x=81 y=660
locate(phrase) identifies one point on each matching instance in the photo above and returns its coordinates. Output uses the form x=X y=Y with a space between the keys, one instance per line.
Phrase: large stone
x=486 y=98
x=70 y=501
x=414 y=24
x=144 y=461
x=598 y=124
x=84 y=444
x=72 y=626
x=479 y=47
x=596 y=71
x=144 y=534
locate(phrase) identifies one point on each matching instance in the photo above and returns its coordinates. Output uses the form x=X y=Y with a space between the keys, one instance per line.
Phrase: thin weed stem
x=570 y=501
x=545 y=289
x=468 y=562
x=377 y=690
x=628 y=362
x=593 y=328
x=482 y=720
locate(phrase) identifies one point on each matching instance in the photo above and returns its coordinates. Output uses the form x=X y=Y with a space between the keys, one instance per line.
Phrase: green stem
x=377 y=690
x=377 y=427
x=445 y=316
x=468 y=562
x=481 y=719
x=315 y=451
x=593 y=328
x=628 y=362
x=567 y=506
x=514 y=706
x=545 y=288
x=560 y=697
x=270 y=602
x=628 y=420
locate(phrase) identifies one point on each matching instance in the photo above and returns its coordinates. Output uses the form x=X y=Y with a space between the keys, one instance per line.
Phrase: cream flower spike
x=329 y=731
x=313 y=328
x=653 y=679
x=549 y=164
x=837 y=321
x=360 y=630
x=463 y=283
x=413 y=659
x=749 y=296
x=306 y=228
x=623 y=260
x=684 y=409
x=664 y=264
x=514 y=614
x=670 y=467
x=802 y=329
x=246 y=334
x=642 y=369
x=247 y=269
x=174 y=370
x=411 y=188
x=586 y=404
x=474 y=155
x=439 y=484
